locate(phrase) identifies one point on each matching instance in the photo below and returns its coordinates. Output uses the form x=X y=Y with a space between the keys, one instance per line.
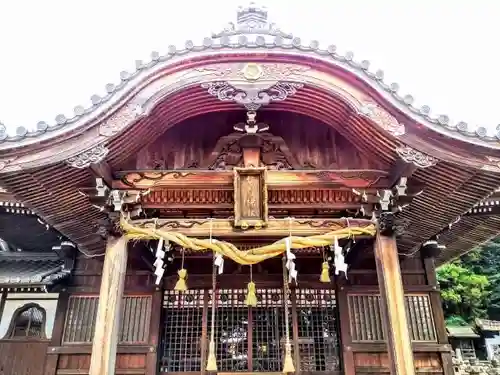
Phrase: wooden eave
x=451 y=187
x=449 y=191
x=316 y=101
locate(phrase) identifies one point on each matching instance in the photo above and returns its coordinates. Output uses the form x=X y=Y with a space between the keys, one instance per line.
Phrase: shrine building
x=246 y=203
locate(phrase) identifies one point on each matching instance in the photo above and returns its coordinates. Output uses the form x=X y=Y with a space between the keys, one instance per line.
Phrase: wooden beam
x=393 y=305
x=400 y=169
x=109 y=309
x=275 y=227
x=360 y=179
x=102 y=170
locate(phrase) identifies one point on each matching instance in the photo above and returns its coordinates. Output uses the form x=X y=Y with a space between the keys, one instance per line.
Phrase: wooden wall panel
x=22 y=357
x=69 y=362
x=81 y=315
x=79 y=364
x=377 y=363
x=365 y=318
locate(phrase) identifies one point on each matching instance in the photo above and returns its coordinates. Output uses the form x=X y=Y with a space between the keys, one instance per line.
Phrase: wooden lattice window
x=182 y=331
x=248 y=339
x=419 y=316
x=366 y=320
x=317 y=328
x=82 y=313
x=268 y=330
x=28 y=322
x=80 y=319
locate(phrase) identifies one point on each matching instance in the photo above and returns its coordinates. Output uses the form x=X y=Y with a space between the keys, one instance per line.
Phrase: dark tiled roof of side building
x=30 y=271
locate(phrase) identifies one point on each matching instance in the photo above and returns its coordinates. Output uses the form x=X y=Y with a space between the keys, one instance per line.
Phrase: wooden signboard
x=250 y=197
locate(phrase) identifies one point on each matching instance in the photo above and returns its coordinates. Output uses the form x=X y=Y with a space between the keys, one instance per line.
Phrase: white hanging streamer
x=219 y=259
x=219 y=262
x=161 y=250
x=290 y=260
x=338 y=258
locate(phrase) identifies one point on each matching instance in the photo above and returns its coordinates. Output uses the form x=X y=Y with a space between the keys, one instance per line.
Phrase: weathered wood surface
x=23 y=357
x=108 y=313
x=393 y=306
x=275 y=179
x=274 y=227
x=293 y=139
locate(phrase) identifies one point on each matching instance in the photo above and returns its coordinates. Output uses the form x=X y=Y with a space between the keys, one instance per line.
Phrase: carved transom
x=274 y=153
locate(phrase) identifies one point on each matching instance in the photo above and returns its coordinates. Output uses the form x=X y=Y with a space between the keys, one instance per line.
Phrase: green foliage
x=470 y=287
x=464 y=292
x=455 y=321
x=485 y=260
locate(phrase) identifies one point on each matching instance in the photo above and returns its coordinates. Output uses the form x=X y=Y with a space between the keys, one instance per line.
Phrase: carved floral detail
x=230 y=156
x=273 y=156
x=5 y=162
x=85 y=159
x=493 y=164
x=251 y=97
x=131 y=179
x=383 y=119
x=274 y=153
x=268 y=72
x=120 y=120
x=421 y=160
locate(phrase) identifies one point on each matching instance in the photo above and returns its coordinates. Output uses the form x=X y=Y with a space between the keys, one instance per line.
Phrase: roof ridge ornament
x=252 y=19
x=255 y=90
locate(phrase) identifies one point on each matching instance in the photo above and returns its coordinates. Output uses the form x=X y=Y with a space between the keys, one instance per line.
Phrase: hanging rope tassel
x=288 y=362
x=211 y=360
x=325 y=273
x=251 y=299
x=181 y=284
x=325 y=269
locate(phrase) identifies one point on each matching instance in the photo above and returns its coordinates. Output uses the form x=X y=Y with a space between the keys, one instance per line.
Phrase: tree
x=465 y=293
x=485 y=260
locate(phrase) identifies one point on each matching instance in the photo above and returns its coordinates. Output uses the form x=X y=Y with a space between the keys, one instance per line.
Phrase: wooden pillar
x=109 y=310
x=393 y=304
x=3 y=299
x=437 y=312
x=345 y=333
x=57 y=333
x=154 y=332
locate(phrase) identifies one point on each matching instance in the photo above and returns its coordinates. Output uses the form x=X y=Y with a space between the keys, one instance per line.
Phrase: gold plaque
x=250 y=197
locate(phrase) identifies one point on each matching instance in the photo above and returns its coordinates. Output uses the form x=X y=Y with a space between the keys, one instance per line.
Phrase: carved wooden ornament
x=250 y=197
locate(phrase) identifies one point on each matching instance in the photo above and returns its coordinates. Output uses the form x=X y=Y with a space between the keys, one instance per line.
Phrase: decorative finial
x=252 y=19
x=251 y=126
x=252 y=16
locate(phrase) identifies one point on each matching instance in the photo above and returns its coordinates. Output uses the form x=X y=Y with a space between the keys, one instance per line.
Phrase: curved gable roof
x=252 y=33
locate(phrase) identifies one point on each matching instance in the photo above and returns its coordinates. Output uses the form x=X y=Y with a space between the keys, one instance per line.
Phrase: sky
x=55 y=54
